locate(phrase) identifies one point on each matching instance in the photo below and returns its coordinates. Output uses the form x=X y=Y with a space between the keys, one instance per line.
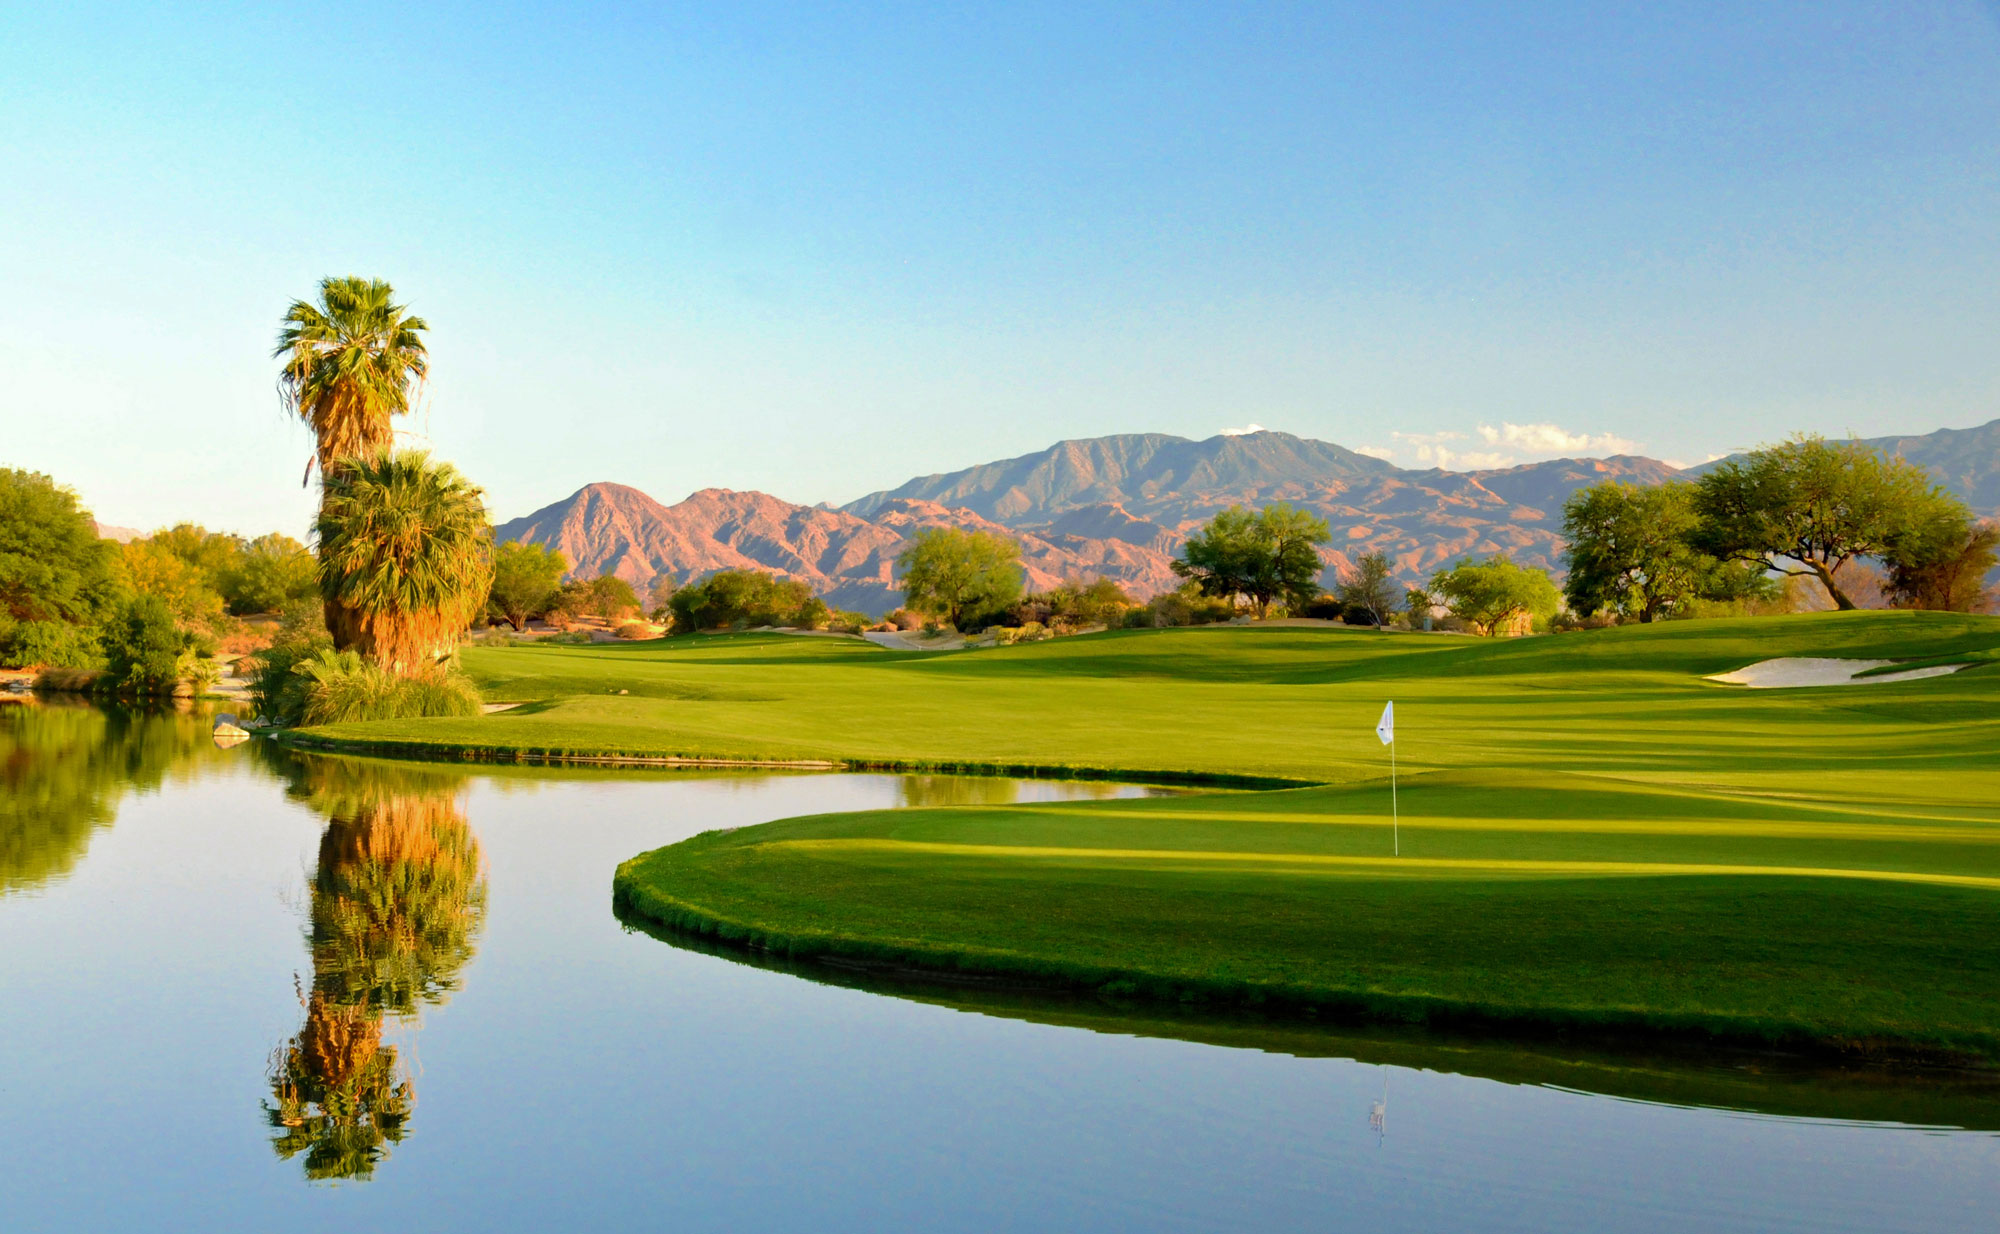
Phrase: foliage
x=957 y=575
x=341 y=687
x=1073 y=604
x=1366 y=585
x=148 y=652
x=405 y=558
x=635 y=630
x=1263 y=557
x=609 y=597
x=352 y=361
x=1807 y=507
x=1947 y=572
x=152 y=567
x=1184 y=606
x=730 y=599
x=48 y=644
x=52 y=565
x=1632 y=553
x=659 y=597
x=270 y=573
x=1491 y=594
x=279 y=693
x=526 y=578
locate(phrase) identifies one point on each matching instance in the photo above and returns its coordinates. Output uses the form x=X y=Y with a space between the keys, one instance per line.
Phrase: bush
x=743 y=599
x=48 y=644
x=1358 y=615
x=1325 y=608
x=340 y=687
x=71 y=680
x=849 y=623
x=147 y=652
x=635 y=630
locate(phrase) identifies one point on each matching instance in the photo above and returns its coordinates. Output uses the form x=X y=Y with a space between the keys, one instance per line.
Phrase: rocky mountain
x=1120 y=506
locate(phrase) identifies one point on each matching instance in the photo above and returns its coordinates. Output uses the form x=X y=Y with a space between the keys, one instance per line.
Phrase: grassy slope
x=1592 y=833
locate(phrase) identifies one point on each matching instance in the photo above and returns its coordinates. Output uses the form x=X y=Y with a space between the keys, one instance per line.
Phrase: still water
x=241 y=990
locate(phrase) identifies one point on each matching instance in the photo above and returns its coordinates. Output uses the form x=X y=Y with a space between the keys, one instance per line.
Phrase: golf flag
x=1385 y=728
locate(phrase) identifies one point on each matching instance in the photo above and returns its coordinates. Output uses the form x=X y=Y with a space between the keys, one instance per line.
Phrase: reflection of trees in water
x=64 y=767
x=397 y=901
x=959 y=790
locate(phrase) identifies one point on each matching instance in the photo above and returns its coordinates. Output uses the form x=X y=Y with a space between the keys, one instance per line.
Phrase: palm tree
x=405 y=557
x=352 y=361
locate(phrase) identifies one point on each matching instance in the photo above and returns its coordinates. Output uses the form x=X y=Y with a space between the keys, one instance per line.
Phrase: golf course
x=1591 y=836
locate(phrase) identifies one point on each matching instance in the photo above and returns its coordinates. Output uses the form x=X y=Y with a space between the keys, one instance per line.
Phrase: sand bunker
x=1807 y=671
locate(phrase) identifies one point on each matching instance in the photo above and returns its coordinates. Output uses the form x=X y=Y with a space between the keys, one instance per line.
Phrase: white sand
x=1808 y=671
x=912 y=641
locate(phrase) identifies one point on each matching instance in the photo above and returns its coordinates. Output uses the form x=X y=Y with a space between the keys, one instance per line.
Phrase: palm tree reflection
x=397 y=901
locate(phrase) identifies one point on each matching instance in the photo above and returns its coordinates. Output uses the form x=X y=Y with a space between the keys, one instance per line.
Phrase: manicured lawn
x=1591 y=833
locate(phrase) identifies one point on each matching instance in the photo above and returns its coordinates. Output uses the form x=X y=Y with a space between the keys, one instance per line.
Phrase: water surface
x=244 y=990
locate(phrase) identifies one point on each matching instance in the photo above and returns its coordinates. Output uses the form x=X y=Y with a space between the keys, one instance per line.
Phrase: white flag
x=1385 y=728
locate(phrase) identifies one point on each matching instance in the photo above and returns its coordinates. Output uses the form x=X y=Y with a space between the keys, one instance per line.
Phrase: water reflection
x=1692 y=1075
x=397 y=900
x=963 y=790
x=64 y=767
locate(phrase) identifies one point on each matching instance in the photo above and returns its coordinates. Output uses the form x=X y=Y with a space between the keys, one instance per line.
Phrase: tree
x=951 y=573
x=1631 y=550
x=273 y=572
x=153 y=568
x=610 y=597
x=405 y=557
x=1259 y=556
x=1365 y=584
x=52 y=565
x=1948 y=572
x=352 y=361
x=525 y=580
x=748 y=598
x=1807 y=507
x=660 y=595
x=1489 y=594
x=147 y=651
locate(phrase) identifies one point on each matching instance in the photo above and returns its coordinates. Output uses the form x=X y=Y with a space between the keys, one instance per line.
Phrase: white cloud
x=1382 y=452
x=1248 y=428
x=1552 y=440
x=1510 y=445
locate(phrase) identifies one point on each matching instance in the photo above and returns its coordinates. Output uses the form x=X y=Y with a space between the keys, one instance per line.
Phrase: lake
x=247 y=990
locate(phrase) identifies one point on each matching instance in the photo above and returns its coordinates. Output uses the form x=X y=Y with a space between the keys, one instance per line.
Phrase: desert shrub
x=341 y=686
x=635 y=630
x=844 y=622
x=146 y=651
x=48 y=644
x=1325 y=608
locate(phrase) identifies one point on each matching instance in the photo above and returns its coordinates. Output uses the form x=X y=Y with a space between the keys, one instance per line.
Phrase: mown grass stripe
x=1400 y=864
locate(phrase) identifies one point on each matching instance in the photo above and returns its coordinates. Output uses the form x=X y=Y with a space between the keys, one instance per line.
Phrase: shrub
x=48 y=644
x=147 y=652
x=340 y=687
x=848 y=623
x=635 y=630
x=1325 y=608
x=1358 y=615
x=742 y=599
x=70 y=680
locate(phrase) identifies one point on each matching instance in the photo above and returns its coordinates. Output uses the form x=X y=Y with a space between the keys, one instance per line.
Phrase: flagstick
x=1395 y=820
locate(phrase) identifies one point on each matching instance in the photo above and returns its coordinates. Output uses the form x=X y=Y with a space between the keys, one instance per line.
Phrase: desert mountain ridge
x=1119 y=507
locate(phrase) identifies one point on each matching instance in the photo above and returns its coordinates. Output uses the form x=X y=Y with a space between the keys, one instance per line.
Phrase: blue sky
x=816 y=250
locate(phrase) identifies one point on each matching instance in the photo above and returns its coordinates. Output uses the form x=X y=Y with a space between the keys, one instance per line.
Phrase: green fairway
x=1592 y=834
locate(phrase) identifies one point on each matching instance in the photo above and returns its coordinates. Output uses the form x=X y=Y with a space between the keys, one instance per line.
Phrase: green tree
x=610 y=597
x=352 y=362
x=1489 y=594
x=147 y=651
x=1366 y=584
x=953 y=574
x=1260 y=556
x=1947 y=571
x=1631 y=549
x=731 y=598
x=1807 y=507
x=272 y=573
x=526 y=578
x=405 y=558
x=52 y=565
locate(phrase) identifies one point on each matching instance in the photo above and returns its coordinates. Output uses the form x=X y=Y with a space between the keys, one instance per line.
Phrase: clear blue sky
x=816 y=250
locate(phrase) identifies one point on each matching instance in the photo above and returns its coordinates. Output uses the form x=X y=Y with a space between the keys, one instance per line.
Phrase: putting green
x=1591 y=833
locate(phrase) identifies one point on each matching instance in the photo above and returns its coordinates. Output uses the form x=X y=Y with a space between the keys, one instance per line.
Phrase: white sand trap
x=1808 y=671
x=913 y=641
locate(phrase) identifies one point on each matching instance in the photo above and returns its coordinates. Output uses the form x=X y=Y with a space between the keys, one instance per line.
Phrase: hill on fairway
x=1592 y=834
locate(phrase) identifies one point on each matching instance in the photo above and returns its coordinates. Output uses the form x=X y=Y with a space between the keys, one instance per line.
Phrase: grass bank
x=1594 y=837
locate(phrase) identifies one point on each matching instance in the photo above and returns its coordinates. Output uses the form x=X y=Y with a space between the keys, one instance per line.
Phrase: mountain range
x=1119 y=507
